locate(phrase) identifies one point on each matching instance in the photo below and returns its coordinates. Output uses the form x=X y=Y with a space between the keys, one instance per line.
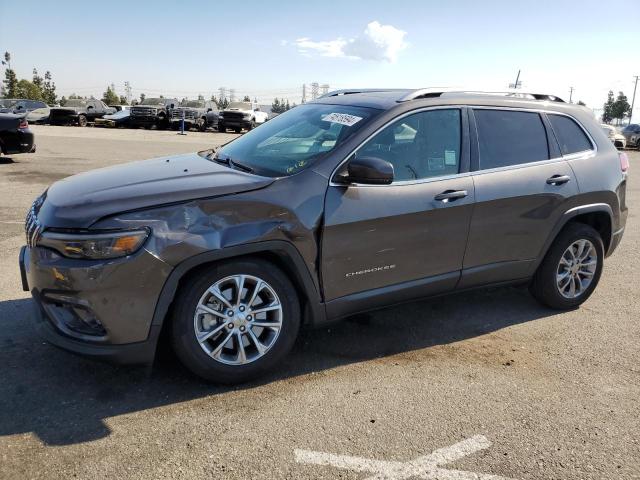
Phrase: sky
x=268 y=49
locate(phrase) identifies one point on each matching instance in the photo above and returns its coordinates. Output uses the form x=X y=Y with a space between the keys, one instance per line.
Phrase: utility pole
x=570 y=94
x=633 y=101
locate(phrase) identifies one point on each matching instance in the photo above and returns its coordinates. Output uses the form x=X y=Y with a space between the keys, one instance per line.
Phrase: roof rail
x=351 y=91
x=431 y=93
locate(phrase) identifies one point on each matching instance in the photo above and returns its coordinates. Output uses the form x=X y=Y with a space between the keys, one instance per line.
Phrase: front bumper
x=143 y=121
x=102 y=309
x=235 y=122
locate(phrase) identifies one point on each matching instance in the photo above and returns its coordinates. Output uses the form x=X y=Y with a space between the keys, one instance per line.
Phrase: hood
x=81 y=200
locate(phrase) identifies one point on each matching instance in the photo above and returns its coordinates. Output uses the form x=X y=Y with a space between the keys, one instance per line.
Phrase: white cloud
x=377 y=43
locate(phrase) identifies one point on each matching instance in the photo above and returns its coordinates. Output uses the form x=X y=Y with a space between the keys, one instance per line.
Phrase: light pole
x=633 y=99
x=570 y=94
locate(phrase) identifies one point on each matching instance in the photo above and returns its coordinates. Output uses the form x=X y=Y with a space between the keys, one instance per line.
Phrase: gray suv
x=359 y=200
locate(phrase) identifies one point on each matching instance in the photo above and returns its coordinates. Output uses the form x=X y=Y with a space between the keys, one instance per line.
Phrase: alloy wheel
x=576 y=268
x=238 y=319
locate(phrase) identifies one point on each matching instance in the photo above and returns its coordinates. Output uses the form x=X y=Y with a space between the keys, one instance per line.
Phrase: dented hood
x=81 y=200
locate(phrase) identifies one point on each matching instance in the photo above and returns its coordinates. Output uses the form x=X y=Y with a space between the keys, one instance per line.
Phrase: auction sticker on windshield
x=342 y=119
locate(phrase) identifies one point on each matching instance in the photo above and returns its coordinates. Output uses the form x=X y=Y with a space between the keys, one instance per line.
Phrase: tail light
x=624 y=161
x=23 y=124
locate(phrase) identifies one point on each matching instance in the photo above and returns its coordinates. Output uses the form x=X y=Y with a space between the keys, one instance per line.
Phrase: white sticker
x=450 y=157
x=342 y=119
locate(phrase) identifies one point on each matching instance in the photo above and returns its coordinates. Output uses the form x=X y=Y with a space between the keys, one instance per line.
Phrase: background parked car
x=198 y=114
x=618 y=140
x=152 y=112
x=15 y=136
x=120 y=107
x=38 y=112
x=632 y=135
x=79 y=112
x=239 y=115
x=118 y=119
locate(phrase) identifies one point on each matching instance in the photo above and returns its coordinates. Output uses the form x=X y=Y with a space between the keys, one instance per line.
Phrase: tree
x=123 y=100
x=37 y=79
x=110 y=97
x=581 y=103
x=10 y=83
x=281 y=105
x=29 y=90
x=49 y=89
x=621 y=107
x=607 y=114
x=142 y=97
x=63 y=101
x=7 y=60
x=246 y=98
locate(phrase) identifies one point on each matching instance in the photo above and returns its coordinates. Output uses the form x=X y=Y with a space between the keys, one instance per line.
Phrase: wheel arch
x=597 y=215
x=282 y=254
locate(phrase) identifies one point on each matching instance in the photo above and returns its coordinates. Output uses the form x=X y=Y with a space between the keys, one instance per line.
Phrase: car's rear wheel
x=202 y=126
x=222 y=128
x=252 y=125
x=82 y=120
x=235 y=320
x=571 y=270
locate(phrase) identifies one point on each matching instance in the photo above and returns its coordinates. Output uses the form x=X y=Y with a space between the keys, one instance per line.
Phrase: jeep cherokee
x=359 y=200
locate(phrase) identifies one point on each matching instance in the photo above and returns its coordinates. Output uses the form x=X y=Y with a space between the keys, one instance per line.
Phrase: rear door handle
x=558 y=179
x=449 y=195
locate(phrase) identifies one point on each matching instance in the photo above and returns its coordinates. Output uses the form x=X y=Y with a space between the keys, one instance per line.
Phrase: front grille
x=143 y=112
x=233 y=115
x=176 y=114
x=32 y=226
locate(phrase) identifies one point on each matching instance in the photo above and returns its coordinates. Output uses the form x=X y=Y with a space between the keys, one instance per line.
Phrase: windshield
x=240 y=105
x=152 y=101
x=75 y=103
x=7 y=102
x=193 y=104
x=295 y=139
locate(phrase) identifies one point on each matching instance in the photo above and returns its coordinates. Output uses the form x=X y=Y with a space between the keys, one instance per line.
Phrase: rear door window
x=507 y=137
x=571 y=137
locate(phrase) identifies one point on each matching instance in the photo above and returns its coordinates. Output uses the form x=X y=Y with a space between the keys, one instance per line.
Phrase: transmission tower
x=232 y=95
x=324 y=89
x=314 y=90
x=128 y=91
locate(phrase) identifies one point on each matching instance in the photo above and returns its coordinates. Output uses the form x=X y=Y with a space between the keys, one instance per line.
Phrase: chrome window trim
x=460 y=108
x=572 y=156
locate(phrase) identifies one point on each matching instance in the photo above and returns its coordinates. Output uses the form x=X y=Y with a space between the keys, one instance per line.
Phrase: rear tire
x=222 y=128
x=202 y=126
x=237 y=129
x=82 y=120
x=220 y=357
x=564 y=279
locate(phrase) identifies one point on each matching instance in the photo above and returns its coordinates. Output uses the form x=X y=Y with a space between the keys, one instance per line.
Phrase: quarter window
x=508 y=138
x=422 y=145
x=570 y=136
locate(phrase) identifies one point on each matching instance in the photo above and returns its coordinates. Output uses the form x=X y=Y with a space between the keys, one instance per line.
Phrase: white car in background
x=239 y=115
x=615 y=136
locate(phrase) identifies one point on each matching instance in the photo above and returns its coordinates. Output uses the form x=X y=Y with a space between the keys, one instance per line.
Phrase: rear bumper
x=18 y=141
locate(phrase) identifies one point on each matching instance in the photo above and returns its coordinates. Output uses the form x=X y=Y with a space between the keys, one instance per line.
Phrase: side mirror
x=369 y=171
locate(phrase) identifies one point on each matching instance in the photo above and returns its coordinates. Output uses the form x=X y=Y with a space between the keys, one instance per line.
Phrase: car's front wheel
x=235 y=320
x=570 y=271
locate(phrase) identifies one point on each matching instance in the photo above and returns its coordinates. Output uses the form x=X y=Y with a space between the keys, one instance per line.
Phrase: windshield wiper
x=239 y=166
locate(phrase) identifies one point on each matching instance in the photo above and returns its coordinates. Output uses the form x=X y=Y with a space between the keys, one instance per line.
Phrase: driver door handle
x=558 y=179
x=450 y=195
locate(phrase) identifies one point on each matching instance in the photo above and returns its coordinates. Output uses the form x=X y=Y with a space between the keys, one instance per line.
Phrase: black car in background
x=79 y=112
x=153 y=112
x=15 y=136
x=118 y=119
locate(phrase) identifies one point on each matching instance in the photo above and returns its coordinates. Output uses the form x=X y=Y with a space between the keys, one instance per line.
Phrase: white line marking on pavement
x=425 y=467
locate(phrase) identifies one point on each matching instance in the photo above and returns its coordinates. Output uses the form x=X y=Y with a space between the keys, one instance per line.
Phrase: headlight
x=247 y=115
x=95 y=246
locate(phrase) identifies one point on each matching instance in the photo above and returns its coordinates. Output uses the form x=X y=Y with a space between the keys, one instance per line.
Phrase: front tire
x=222 y=128
x=571 y=270
x=235 y=321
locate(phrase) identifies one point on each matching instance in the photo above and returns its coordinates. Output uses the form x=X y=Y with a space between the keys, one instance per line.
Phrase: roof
x=386 y=99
